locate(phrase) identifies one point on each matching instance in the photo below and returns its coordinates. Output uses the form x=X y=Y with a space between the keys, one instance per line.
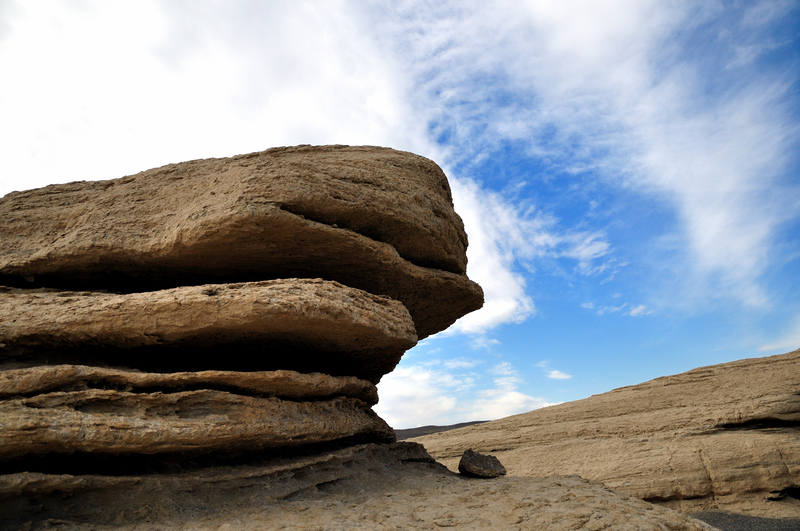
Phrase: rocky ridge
x=724 y=437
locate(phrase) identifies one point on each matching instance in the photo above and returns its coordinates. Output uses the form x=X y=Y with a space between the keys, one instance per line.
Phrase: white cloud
x=788 y=341
x=97 y=90
x=639 y=310
x=504 y=243
x=441 y=394
x=615 y=88
x=553 y=374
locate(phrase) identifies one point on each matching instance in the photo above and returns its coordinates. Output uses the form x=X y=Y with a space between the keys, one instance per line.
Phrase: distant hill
x=428 y=430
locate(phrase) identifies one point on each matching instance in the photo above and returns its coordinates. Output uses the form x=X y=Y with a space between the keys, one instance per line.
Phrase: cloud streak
x=616 y=89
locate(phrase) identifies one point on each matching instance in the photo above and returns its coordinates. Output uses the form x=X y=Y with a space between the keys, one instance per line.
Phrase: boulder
x=477 y=465
x=309 y=325
x=394 y=486
x=722 y=437
x=371 y=218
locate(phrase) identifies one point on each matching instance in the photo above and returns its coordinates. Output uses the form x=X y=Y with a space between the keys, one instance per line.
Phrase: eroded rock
x=371 y=218
x=309 y=325
x=232 y=312
x=104 y=421
x=719 y=437
x=289 y=385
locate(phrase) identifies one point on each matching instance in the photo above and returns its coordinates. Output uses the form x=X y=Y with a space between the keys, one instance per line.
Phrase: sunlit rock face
x=720 y=437
x=220 y=308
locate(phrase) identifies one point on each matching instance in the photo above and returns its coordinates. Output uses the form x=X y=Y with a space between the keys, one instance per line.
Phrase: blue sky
x=628 y=171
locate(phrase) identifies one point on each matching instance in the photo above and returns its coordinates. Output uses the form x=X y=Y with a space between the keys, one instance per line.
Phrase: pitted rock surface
x=372 y=218
x=724 y=437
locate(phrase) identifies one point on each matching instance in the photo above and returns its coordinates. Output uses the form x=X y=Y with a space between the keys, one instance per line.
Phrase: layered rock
x=720 y=437
x=222 y=310
x=305 y=324
x=371 y=218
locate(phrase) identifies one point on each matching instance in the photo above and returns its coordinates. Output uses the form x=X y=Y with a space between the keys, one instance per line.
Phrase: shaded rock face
x=721 y=437
x=218 y=310
x=394 y=486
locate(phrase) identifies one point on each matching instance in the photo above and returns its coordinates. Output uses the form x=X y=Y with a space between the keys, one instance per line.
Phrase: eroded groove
x=760 y=424
x=84 y=463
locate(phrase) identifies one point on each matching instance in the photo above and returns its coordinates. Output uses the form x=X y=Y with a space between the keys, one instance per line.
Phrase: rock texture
x=113 y=422
x=719 y=437
x=362 y=487
x=282 y=384
x=218 y=311
x=371 y=218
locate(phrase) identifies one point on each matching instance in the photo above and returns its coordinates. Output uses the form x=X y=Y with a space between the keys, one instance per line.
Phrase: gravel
x=736 y=522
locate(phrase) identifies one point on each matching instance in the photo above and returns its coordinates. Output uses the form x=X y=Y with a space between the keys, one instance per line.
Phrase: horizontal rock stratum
x=720 y=437
x=371 y=218
x=309 y=325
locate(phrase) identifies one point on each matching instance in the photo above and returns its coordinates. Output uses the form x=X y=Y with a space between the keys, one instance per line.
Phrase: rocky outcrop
x=395 y=486
x=720 y=437
x=217 y=311
x=371 y=218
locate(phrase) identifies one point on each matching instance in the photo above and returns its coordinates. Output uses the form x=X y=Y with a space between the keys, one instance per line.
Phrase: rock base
x=394 y=486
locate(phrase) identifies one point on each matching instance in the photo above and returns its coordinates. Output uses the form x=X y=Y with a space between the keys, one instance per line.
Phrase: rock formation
x=197 y=346
x=218 y=308
x=721 y=437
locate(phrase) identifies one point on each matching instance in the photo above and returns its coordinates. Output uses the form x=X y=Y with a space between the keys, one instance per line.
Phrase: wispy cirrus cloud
x=615 y=89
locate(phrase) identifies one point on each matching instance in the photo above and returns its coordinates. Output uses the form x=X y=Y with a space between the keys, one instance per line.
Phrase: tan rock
x=719 y=437
x=289 y=385
x=334 y=212
x=363 y=487
x=304 y=324
x=104 y=421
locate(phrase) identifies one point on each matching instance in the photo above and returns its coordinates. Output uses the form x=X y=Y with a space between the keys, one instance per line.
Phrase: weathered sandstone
x=363 y=487
x=289 y=385
x=302 y=324
x=207 y=336
x=371 y=218
x=719 y=437
x=104 y=421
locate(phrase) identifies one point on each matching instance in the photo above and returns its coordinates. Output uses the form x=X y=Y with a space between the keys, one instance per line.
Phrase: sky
x=628 y=171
